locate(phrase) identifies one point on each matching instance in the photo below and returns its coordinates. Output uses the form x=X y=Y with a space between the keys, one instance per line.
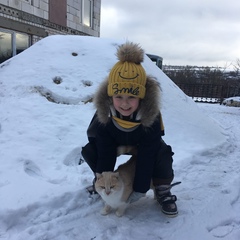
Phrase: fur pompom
x=130 y=52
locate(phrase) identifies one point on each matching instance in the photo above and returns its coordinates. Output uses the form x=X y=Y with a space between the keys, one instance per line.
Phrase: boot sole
x=169 y=214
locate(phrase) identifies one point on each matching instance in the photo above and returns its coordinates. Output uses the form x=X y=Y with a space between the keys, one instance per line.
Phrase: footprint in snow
x=223 y=230
x=32 y=169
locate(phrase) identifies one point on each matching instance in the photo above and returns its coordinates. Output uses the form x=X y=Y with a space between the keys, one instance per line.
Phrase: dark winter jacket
x=108 y=135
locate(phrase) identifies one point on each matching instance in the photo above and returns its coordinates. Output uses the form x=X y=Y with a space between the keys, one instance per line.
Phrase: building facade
x=23 y=22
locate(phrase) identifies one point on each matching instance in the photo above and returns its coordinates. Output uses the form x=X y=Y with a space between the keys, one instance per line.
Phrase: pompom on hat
x=128 y=76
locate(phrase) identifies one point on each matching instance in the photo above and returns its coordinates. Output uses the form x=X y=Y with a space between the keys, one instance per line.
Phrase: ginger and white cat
x=116 y=187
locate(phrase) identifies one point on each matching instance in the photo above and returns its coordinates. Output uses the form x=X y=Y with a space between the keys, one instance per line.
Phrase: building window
x=22 y=42
x=5 y=46
x=87 y=12
x=12 y=43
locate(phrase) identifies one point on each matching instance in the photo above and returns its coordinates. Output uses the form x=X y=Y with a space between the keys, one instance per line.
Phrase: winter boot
x=91 y=189
x=81 y=159
x=166 y=199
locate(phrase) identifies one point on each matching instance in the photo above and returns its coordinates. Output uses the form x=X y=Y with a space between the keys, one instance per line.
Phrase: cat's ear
x=116 y=174
x=99 y=175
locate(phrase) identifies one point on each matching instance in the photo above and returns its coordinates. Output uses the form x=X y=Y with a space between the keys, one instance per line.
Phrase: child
x=128 y=114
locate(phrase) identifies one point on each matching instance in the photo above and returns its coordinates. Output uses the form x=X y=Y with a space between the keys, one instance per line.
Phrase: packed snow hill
x=45 y=109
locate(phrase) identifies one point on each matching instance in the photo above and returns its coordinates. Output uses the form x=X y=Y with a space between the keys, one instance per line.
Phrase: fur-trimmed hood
x=148 y=109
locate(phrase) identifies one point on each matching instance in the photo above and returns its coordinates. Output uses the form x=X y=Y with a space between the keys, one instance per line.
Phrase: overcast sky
x=189 y=32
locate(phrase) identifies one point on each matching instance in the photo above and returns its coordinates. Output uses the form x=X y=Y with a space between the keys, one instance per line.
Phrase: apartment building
x=23 y=22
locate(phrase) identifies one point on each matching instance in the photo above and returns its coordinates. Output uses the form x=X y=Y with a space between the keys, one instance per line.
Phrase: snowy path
x=209 y=201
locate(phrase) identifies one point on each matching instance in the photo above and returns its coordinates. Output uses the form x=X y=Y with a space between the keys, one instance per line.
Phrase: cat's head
x=108 y=183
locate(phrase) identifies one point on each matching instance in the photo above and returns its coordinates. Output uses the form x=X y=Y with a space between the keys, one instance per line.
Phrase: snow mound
x=45 y=105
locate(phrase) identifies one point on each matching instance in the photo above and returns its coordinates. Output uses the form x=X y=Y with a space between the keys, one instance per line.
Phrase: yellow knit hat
x=128 y=76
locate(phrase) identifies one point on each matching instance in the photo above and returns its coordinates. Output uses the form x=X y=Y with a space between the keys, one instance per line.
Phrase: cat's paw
x=106 y=210
x=119 y=213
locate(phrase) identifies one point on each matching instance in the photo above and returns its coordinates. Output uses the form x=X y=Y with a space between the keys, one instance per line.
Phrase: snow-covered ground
x=44 y=114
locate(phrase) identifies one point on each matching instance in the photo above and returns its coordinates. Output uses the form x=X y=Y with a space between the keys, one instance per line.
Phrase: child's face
x=125 y=104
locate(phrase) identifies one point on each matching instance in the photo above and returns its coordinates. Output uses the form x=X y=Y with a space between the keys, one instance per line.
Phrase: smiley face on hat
x=128 y=76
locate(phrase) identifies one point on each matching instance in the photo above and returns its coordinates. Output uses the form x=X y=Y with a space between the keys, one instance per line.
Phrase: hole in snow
x=57 y=80
x=74 y=54
x=87 y=83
